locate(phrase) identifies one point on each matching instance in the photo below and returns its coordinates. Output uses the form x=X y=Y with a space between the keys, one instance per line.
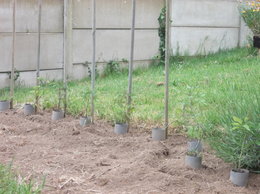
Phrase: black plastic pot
x=4 y=105
x=121 y=128
x=158 y=134
x=57 y=115
x=239 y=177
x=194 y=162
x=256 y=41
x=28 y=109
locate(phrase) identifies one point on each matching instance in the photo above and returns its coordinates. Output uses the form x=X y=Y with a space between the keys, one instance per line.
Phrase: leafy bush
x=250 y=12
x=111 y=68
x=240 y=145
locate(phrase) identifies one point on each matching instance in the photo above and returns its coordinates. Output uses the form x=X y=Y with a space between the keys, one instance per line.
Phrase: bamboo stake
x=38 y=54
x=64 y=74
x=167 y=35
x=131 y=64
x=93 y=72
x=13 y=56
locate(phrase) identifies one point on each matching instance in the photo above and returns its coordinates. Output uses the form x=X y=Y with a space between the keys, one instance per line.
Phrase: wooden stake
x=167 y=55
x=93 y=72
x=131 y=64
x=13 y=57
x=64 y=74
x=38 y=53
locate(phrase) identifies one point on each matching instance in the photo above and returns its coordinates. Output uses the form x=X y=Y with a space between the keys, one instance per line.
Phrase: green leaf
x=238 y=120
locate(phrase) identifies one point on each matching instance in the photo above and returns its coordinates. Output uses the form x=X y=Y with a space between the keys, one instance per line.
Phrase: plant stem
x=241 y=153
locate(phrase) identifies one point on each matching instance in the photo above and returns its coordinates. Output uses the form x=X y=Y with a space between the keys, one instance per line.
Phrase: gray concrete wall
x=198 y=27
x=26 y=41
x=113 y=36
x=206 y=26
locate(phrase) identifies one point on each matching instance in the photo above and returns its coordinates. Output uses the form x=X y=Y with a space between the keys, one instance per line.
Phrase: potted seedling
x=36 y=95
x=57 y=113
x=4 y=103
x=28 y=107
x=85 y=119
x=239 y=145
x=238 y=175
x=193 y=159
x=196 y=134
x=121 y=116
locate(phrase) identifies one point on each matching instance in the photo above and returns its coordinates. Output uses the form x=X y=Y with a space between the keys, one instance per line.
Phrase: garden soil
x=93 y=159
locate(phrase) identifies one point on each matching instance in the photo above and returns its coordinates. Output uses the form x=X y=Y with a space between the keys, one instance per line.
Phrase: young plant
x=3 y=96
x=240 y=145
x=57 y=86
x=111 y=67
x=193 y=153
x=120 y=110
x=195 y=132
x=86 y=101
x=37 y=93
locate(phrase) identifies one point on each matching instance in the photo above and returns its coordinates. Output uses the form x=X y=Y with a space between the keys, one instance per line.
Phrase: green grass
x=204 y=91
x=10 y=184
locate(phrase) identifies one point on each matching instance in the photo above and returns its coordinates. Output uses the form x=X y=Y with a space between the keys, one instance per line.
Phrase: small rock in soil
x=76 y=133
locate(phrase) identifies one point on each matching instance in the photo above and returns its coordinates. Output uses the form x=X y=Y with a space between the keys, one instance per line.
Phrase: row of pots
x=193 y=157
x=30 y=110
x=238 y=177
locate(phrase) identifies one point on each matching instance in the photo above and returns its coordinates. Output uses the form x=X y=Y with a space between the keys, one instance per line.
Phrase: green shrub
x=250 y=12
x=239 y=145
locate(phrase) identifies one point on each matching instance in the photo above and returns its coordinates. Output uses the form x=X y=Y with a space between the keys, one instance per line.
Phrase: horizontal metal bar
x=116 y=29
x=179 y=26
x=23 y=71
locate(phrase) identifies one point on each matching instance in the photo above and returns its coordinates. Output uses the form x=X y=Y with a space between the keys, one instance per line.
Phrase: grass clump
x=10 y=184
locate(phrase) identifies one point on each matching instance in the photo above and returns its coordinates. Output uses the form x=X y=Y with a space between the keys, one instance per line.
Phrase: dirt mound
x=95 y=160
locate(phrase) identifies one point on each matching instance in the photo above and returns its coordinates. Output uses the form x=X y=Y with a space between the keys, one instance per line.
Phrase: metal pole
x=38 y=53
x=131 y=64
x=13 y=56
x=167 y=35
x=64 y=75
x=93 y=72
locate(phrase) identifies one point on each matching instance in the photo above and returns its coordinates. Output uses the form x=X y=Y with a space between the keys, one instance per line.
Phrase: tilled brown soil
x=95 y=160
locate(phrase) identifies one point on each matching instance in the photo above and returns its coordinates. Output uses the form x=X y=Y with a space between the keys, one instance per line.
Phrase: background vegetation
x=205 y=94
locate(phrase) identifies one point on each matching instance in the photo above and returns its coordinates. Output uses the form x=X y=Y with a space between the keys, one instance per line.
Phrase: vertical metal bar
x=13 y=56
x=64 y=74
x=131 y=63
x=38 y=53
x=166 y=111
x=93 y=72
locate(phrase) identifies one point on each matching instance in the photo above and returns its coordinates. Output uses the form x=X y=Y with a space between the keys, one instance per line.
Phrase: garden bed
x=95 y=160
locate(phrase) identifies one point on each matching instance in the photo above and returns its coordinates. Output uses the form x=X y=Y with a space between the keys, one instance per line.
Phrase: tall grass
x=205 y=91
x=9 y=183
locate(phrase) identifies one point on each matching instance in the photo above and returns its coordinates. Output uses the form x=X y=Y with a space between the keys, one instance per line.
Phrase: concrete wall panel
x=26 y=51
x=245 y=34
x=193 y=41
x=5 y=52
x=220 y=13
x=114 y=44
x=27 y=16
x=5 y=16
x=117 y=13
